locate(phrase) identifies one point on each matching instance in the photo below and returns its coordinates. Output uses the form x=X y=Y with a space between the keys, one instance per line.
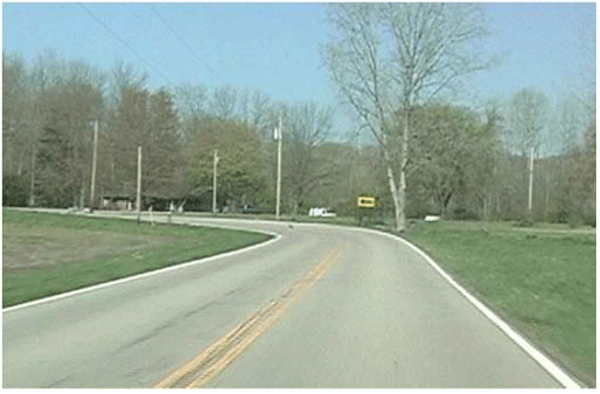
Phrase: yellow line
x=277 y=313
x=248 y=331
x=224 y=361
x=200 y=360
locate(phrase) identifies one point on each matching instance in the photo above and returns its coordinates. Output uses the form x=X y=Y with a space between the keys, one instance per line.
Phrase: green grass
x=46 y=254
x=543 y=281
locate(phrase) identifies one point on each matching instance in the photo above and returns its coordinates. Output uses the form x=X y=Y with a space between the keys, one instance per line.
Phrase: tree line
x=52 y=106
x=389 y=62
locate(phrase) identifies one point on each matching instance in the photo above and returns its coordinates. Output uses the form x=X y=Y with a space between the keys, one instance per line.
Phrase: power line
x=90 y=13
x=184 y=43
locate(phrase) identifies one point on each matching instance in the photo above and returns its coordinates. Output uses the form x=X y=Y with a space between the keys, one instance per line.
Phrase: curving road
x=373 y=313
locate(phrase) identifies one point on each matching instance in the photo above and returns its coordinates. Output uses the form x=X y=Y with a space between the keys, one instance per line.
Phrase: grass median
x=541 y=280
x=45 y=254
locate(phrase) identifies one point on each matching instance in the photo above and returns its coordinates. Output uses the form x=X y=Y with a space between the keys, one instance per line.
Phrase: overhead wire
x=164 y=21
x=123 y=42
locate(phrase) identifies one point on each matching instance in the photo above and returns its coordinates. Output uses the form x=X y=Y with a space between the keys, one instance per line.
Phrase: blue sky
x=540 y=44
x=274 y=47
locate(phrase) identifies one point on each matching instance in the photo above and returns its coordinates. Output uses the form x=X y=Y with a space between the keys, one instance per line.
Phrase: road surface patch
x=206 y=365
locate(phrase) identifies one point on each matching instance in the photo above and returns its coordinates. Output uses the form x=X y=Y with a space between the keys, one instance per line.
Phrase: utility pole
x=529 y=206
x=277 y=137
x=32 y=185
x=215 y=183
x=92 y=187
x=139 y=185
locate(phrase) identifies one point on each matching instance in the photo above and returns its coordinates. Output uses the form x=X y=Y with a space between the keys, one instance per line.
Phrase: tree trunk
x=397 y=194
x=487 y=201
x=20 y=167
x=401 y=204
x=547 y=196
x=112 y=174
x=445 y=201
x=6 y=159
x=400 y=215
x=82 y=196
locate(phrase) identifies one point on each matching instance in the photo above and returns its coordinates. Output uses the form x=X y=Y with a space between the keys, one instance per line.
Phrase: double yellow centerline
x=210 y=362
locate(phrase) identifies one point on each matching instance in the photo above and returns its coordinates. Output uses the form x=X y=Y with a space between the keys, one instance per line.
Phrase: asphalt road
x=378 y=315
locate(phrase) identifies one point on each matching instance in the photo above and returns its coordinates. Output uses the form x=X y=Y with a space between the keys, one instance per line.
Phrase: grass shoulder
x=540 y=279
x=46 y=254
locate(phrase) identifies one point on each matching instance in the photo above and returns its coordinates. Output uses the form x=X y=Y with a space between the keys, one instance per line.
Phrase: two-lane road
x=373 y=314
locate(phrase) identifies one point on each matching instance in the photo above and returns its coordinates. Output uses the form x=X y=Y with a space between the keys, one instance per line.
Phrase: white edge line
x=538 y=356
x=144 y=275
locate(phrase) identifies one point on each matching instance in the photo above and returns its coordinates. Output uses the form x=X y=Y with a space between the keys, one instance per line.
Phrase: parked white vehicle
x=321 y=212
x=432 y=218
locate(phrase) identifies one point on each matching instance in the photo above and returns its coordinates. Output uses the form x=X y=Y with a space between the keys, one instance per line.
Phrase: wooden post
x=139 y=185
x=278 y=136
x=215 y=183
x=93 y=186
x=32 y=185
x=530 y=202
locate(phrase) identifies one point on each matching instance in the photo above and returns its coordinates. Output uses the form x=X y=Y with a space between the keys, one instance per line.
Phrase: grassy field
x=542 y=280
x=45 y=254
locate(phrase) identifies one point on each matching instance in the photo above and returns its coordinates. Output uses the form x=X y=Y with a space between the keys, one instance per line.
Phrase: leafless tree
x=121 y=78
x=386 y=58
x=223 y=102
x=258 y=117
x=191 y=101
x=16 y=97
x=527 y=117
x=306 y=128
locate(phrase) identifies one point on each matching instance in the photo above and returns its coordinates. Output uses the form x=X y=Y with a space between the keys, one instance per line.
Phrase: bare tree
x=15 y=100
x=525 y=136
x=255 y=110
x=259 y=110
x=191 y=101
x=306 y=127
x=571 y=181
x=386 y=58
x=123 y=77
x=585 y=88
x=566 y=125
x=223 y=103
x=527 y=117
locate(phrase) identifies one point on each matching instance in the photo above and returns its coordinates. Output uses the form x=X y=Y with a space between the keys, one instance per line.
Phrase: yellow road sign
x=366 y=202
